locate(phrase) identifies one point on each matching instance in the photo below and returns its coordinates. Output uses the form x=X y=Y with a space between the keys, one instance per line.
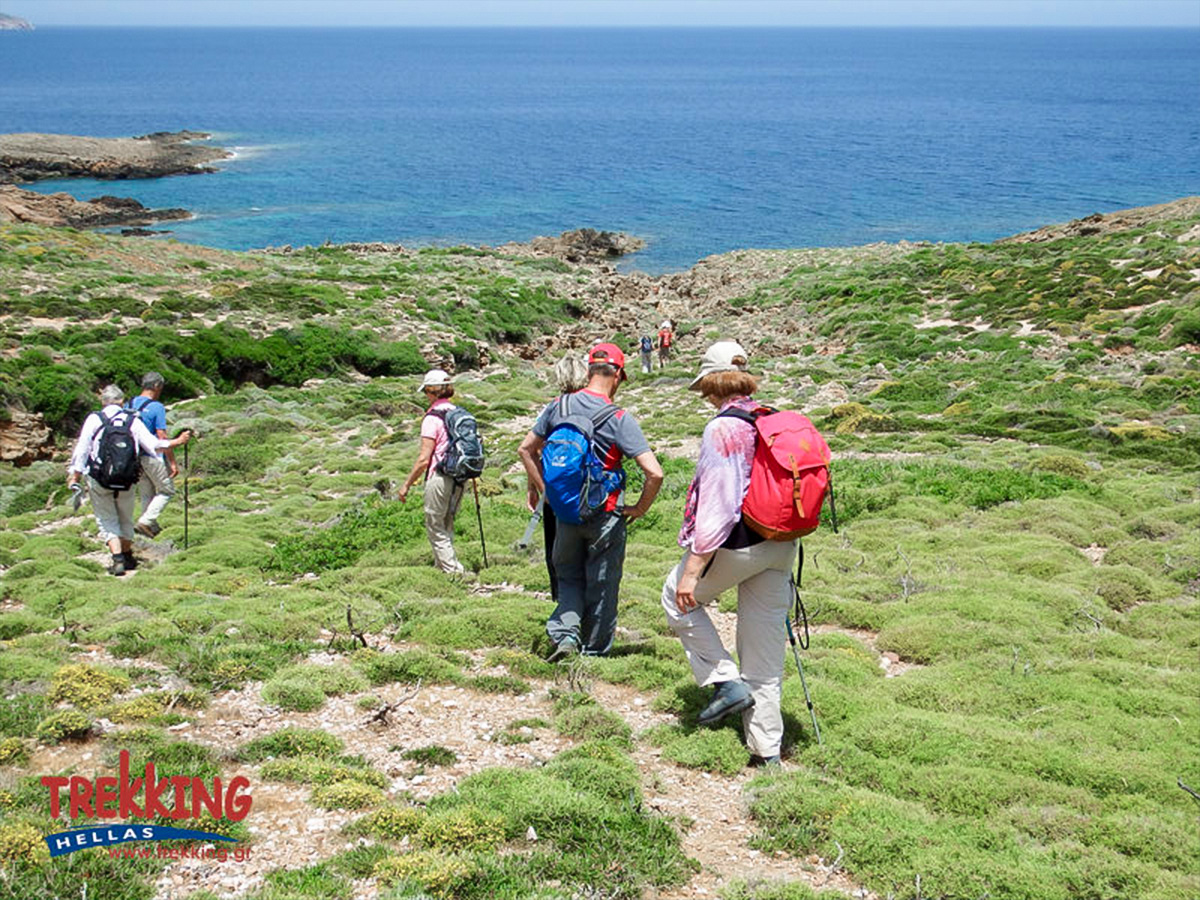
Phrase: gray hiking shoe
x=566 y=648
x=118 y=565
x=729 y=697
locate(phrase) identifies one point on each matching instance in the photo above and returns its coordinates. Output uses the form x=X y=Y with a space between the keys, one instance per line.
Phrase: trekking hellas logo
x=174 y=797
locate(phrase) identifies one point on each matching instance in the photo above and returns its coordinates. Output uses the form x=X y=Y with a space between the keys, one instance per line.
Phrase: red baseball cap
x=608 y=353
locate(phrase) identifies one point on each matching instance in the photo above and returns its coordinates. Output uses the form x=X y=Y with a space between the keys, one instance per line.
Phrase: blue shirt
x=151 y=412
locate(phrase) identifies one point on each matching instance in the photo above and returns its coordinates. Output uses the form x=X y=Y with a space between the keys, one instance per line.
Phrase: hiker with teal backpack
x=451 y=454
x=742 y=519
x=573 y=457
x=107 y=452
x=157 y=485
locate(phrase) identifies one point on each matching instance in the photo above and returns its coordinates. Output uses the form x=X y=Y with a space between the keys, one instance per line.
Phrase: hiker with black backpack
x=451 y=454
x=646 y=349
x=741 y=522
x=107 y=452
x=573 y=456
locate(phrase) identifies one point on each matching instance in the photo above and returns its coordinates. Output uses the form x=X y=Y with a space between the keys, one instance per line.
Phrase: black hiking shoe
x=118 y=565
x=566 y=648
x=131 y=562
x=729 y=697
x=148 y=529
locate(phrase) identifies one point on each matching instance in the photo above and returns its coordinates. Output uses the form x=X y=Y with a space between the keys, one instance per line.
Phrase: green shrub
x=438 y=873
x=68 y=724
x=317 y=771
x=294 y=694
x=392 y=823
x=346 y=795
x=433 y=755
x=376 y=526
x=13 y=752
x=85 y=686
x=292 y=741
x=462 y=828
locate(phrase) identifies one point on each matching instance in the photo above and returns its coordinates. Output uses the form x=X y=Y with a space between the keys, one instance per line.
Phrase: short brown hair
x=441 y=391
x=723 y=385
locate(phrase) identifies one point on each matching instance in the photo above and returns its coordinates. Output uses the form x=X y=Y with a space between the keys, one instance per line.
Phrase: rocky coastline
x=18 y=205
x=35 y=157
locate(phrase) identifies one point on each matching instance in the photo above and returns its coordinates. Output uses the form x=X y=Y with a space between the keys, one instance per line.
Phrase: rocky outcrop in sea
x=33 y=157
x=18 y=205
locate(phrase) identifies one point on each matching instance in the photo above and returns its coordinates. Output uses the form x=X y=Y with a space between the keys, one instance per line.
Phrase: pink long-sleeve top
x=715 y=496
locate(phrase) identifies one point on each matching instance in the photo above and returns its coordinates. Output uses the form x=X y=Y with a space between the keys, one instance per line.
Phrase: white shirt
x=88 y=445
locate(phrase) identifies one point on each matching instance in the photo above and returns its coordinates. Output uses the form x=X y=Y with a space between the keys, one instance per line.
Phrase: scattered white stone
x=531 y=835
x=315 y=824
x=181 y=726
x=310 y=576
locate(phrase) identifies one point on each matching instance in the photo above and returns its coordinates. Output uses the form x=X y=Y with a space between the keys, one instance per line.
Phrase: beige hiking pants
x=156 y=488
x=113 y=511
x=442 y=496
x=761 y=574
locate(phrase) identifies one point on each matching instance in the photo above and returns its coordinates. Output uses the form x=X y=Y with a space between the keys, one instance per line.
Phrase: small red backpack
x=789 y=476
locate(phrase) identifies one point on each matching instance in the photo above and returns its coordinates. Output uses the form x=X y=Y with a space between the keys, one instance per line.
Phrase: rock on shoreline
x=17 y=205
x=581 y=245
x=33 y=157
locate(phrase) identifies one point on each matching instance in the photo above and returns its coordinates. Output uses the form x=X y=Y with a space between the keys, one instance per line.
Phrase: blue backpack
x=647 y=344
x=577 y=484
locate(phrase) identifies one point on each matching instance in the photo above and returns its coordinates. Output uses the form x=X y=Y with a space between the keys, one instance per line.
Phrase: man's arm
x=168 y=454
x=648 y=463
x=419 y=467
x=530 y=452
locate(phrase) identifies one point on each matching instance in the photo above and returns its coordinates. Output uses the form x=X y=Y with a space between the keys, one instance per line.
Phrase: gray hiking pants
x=588 y=561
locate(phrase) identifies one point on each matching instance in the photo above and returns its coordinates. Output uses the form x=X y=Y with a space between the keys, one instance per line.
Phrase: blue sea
x=699 y=140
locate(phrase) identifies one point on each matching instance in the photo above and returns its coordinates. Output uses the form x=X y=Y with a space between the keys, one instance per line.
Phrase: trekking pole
x=479 y=516
x=799 y=668
x=187 y=471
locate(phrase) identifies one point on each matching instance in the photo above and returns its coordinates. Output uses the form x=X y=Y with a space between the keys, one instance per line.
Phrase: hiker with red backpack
x=107 y=452
x=666 y=337
x=572 y=456
x=451 y=454
x=741 y=521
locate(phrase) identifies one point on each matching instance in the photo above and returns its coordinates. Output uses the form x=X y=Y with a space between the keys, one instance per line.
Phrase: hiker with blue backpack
x=108 y=452
x=759 y=484
x=573 y=457
x=451 y=454
x=157 y=485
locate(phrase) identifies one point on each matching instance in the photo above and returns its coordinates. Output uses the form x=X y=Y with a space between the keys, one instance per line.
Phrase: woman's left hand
x=685 y=593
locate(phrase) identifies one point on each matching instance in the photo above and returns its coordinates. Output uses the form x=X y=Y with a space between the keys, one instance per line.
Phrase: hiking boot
x=148 y=529
x=131 y=562
x=566 y=648
x=766 y=762
x=118 y=565
x=729 y=697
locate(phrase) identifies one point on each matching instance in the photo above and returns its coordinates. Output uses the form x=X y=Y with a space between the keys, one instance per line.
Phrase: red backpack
x=789 y=476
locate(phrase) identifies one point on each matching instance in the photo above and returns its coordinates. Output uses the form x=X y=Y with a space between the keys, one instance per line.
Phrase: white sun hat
x=723 y=356
x=436 y=378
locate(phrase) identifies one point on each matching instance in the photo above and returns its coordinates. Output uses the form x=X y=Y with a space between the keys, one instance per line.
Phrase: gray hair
x=570 y=374
x=152 y=381
x=110 y=394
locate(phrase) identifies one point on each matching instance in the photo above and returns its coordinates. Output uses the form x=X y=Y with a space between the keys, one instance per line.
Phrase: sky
x=630 y=13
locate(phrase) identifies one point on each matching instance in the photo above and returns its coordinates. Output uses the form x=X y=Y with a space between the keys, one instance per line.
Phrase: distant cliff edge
x=12 y=23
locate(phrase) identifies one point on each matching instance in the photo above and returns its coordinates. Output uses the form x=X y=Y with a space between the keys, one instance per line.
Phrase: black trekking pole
x=187 y=471
x=799 y=668
x=479 y=516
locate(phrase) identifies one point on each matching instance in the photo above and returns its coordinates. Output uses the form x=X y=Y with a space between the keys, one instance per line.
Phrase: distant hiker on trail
x=721 y=551
x=107 y=452
x=666 y=337
x=570 y=375
x=156 y=485
x=646 y=349
x=573 y=455
x=443 y=487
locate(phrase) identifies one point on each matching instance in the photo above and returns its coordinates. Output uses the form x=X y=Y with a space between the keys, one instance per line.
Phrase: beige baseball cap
x=723 y=356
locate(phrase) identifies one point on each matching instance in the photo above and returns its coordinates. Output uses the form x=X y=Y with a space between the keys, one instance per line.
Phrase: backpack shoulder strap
x=750 y=417
x=602 y=415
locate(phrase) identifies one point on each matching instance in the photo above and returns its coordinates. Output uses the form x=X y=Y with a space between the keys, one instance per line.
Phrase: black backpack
x=116 y=466
x=464 y=455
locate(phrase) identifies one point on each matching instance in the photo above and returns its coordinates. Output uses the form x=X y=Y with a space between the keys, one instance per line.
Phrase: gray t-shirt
x=615 y=439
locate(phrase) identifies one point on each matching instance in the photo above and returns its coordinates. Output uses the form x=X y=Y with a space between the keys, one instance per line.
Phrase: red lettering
x=201 y=797
x=81 y=797
x=181 y=783
x=154 y=790
x=106 y=797
x=55 y=783
x=237 y=807
x=129 y=790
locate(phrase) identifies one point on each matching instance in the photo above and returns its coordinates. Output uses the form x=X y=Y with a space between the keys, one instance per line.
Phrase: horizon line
x=627 y=27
